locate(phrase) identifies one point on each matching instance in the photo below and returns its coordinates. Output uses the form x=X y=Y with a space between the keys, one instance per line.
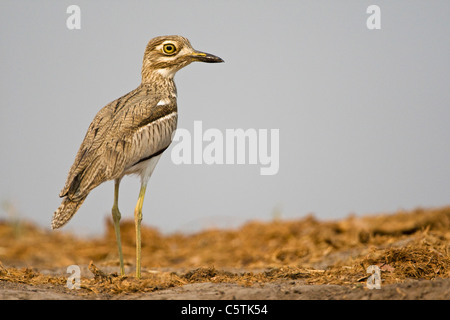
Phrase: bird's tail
x=65 y=212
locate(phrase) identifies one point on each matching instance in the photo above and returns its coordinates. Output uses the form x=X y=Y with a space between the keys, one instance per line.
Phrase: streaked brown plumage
x=129 y=134
x=114 y=142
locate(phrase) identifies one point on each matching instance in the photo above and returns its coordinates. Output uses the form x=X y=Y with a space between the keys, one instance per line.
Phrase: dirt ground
x=297 y=259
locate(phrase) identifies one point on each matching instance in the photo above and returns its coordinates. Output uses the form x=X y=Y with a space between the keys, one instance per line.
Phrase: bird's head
x=166 y=55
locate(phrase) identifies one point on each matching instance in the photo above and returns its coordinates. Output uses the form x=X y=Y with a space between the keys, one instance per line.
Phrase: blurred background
x=363 y=114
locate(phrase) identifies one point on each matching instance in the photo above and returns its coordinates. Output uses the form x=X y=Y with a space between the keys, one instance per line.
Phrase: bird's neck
x=159 y=80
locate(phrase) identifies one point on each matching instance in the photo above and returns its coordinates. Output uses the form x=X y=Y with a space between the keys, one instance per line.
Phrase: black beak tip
x=207 y=57
x=213 y=59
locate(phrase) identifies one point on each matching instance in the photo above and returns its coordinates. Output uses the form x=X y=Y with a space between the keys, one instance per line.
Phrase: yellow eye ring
x=169 y=48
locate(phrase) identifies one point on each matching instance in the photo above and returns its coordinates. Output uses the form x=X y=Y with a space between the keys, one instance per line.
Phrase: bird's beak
x=205 y=57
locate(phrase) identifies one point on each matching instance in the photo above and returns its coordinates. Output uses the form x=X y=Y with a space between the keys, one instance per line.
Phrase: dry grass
x=404 y=245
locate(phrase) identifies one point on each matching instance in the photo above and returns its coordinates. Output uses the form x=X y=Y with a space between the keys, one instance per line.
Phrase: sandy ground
x=281 y=290
x=281 y=260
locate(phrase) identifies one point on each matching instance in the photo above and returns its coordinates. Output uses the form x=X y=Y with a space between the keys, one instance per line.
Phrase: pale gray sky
x=363 y=115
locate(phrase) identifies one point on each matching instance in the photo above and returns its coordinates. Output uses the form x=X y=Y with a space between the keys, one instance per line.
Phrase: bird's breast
x=150 y=140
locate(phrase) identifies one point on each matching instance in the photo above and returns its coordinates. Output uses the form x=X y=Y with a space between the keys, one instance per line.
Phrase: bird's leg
x=137 y=221
x=116 y=218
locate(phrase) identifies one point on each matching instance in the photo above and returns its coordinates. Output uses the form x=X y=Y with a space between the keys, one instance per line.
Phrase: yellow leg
x=137 y=221
x=116 y=218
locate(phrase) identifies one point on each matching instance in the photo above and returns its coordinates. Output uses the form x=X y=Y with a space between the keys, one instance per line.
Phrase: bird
x=129 y=135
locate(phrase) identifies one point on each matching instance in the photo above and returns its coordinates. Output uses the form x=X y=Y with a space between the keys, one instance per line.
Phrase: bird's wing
x=122 y=133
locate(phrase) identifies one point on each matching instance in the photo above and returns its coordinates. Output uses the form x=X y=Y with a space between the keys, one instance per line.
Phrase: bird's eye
x=169 y=48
